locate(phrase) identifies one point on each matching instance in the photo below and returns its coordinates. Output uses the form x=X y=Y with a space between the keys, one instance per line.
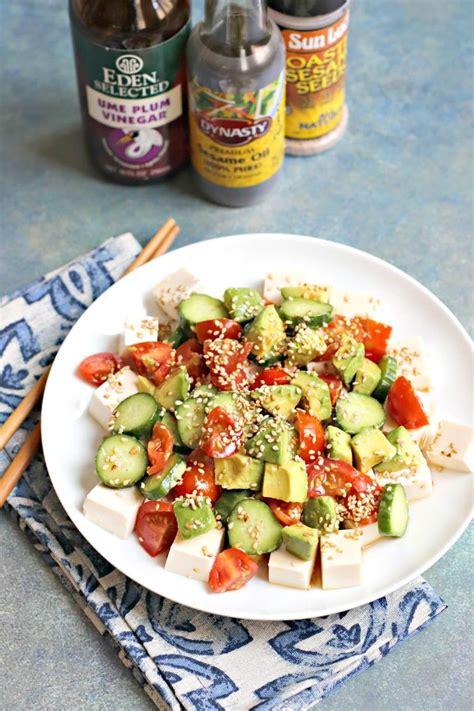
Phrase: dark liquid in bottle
x=131 y=71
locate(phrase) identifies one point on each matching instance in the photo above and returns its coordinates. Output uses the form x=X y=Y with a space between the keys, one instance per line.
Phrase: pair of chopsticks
x=158 y=245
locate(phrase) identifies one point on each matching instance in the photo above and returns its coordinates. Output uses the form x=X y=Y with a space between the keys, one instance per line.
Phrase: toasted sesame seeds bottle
x=315 y=35
x=131 y=72
x=236 y=93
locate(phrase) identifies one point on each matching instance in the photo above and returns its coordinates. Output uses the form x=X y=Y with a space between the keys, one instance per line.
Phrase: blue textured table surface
x=399 y=186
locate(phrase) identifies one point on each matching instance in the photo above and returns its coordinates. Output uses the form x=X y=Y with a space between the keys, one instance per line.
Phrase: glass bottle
x=236 y=93
x=131 y=72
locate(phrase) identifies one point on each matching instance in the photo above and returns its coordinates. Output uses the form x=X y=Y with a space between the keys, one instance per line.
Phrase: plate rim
x=228 y=612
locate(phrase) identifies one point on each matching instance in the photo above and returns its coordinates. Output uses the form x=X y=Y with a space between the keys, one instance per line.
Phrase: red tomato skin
x=330 y=477
x=403 y=405
x=198 y=476
x=232 y=570
x=288 y=513
x=311 y=436
x=186 y=349
x=338 y=327
x=377 y=336
x=335 y=386
x=156 y=526
x=271 y=376
x=225 y=359
x=159 y=448
x=96 y=368
x=154 y=360
x=190 y=355
x=222 y=435
x=218 y=328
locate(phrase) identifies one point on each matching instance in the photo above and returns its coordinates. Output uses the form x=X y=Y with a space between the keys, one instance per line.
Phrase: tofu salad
x=256 y=429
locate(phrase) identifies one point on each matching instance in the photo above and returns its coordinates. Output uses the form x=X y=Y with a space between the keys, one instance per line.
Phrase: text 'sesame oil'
x=236 y=94
x=131 y=71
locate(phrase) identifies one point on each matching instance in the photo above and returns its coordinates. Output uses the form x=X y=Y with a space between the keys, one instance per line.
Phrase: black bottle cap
x=306 y=8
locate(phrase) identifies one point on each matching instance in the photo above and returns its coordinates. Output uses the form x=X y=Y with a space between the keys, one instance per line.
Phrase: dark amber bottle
x=131 y=72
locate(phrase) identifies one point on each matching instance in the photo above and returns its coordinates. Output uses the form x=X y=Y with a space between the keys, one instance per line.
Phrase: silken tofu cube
x=194 y=557
x=116 y=388
x=353 y=303
x=369 y=534
x=412 y=362
x=452 y=446
x=139 y=329
x=416 y=480
x=173 y=289
x=286 y=569
x=341 y=559
x=114 y=510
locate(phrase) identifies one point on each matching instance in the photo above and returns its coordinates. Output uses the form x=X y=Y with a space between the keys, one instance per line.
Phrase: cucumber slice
x=355 y=412
x=253 y=528
x=191 y=414
x=313 y=313
x=159 y=485
x=227 y=502
x=200 y=307
x=121 y=461
x=393 y=511
x=169 y=420
x=136 y=415
x=388 y=375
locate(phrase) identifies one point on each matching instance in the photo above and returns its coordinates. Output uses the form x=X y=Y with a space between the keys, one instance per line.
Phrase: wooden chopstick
x=19 y=415
x=158 y=245
x=19 y=464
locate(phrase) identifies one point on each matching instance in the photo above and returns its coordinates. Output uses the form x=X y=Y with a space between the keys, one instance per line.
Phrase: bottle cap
x=306 y=8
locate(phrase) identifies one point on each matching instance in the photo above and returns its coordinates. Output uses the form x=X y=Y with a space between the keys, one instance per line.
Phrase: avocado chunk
x=407 y=453
x=194 y=518
x=227 y=501
x=315 y=393
x=253 y=528
x=275 y=442
x=371 y=447
x=348 y=359
x=305 y=345
x=306 y=291
x=267 y=332
x=367 y=377
x=287 y=482
x=174 y=390
x=300 y=540
x=146 y=386
x=338 y=444
x=239 y=472
x=321 y=513
x=278 y=400
x=243 y=304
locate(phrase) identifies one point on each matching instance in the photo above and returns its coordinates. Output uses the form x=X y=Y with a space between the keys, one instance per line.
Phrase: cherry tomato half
x=232 y=570
x=330 y=477
x=222 y=435
x=95 y=369
x=271 y=376
x=218 y=328
x=362 y=500
x=287 y=513
x=153 y=359
x=198 y=477
x=311 y=436
x=336 y=329
x=159 y=448
x=156 y=526
x=225 y=358
x=190 y=355
x=403 y=405
x=335 y=386
x=376 y=338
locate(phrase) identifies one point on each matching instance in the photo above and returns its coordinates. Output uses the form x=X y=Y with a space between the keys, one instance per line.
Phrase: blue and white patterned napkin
x=182 y=658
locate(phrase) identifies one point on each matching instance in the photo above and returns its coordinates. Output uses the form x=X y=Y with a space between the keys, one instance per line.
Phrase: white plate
x=70 y=436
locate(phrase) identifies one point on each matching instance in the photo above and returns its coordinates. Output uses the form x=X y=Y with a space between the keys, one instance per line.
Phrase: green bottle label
x=133 y=101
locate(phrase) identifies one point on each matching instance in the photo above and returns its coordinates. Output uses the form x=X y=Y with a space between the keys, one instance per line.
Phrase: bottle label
x=315 y=78
x=135 y=100
x=237 y=140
